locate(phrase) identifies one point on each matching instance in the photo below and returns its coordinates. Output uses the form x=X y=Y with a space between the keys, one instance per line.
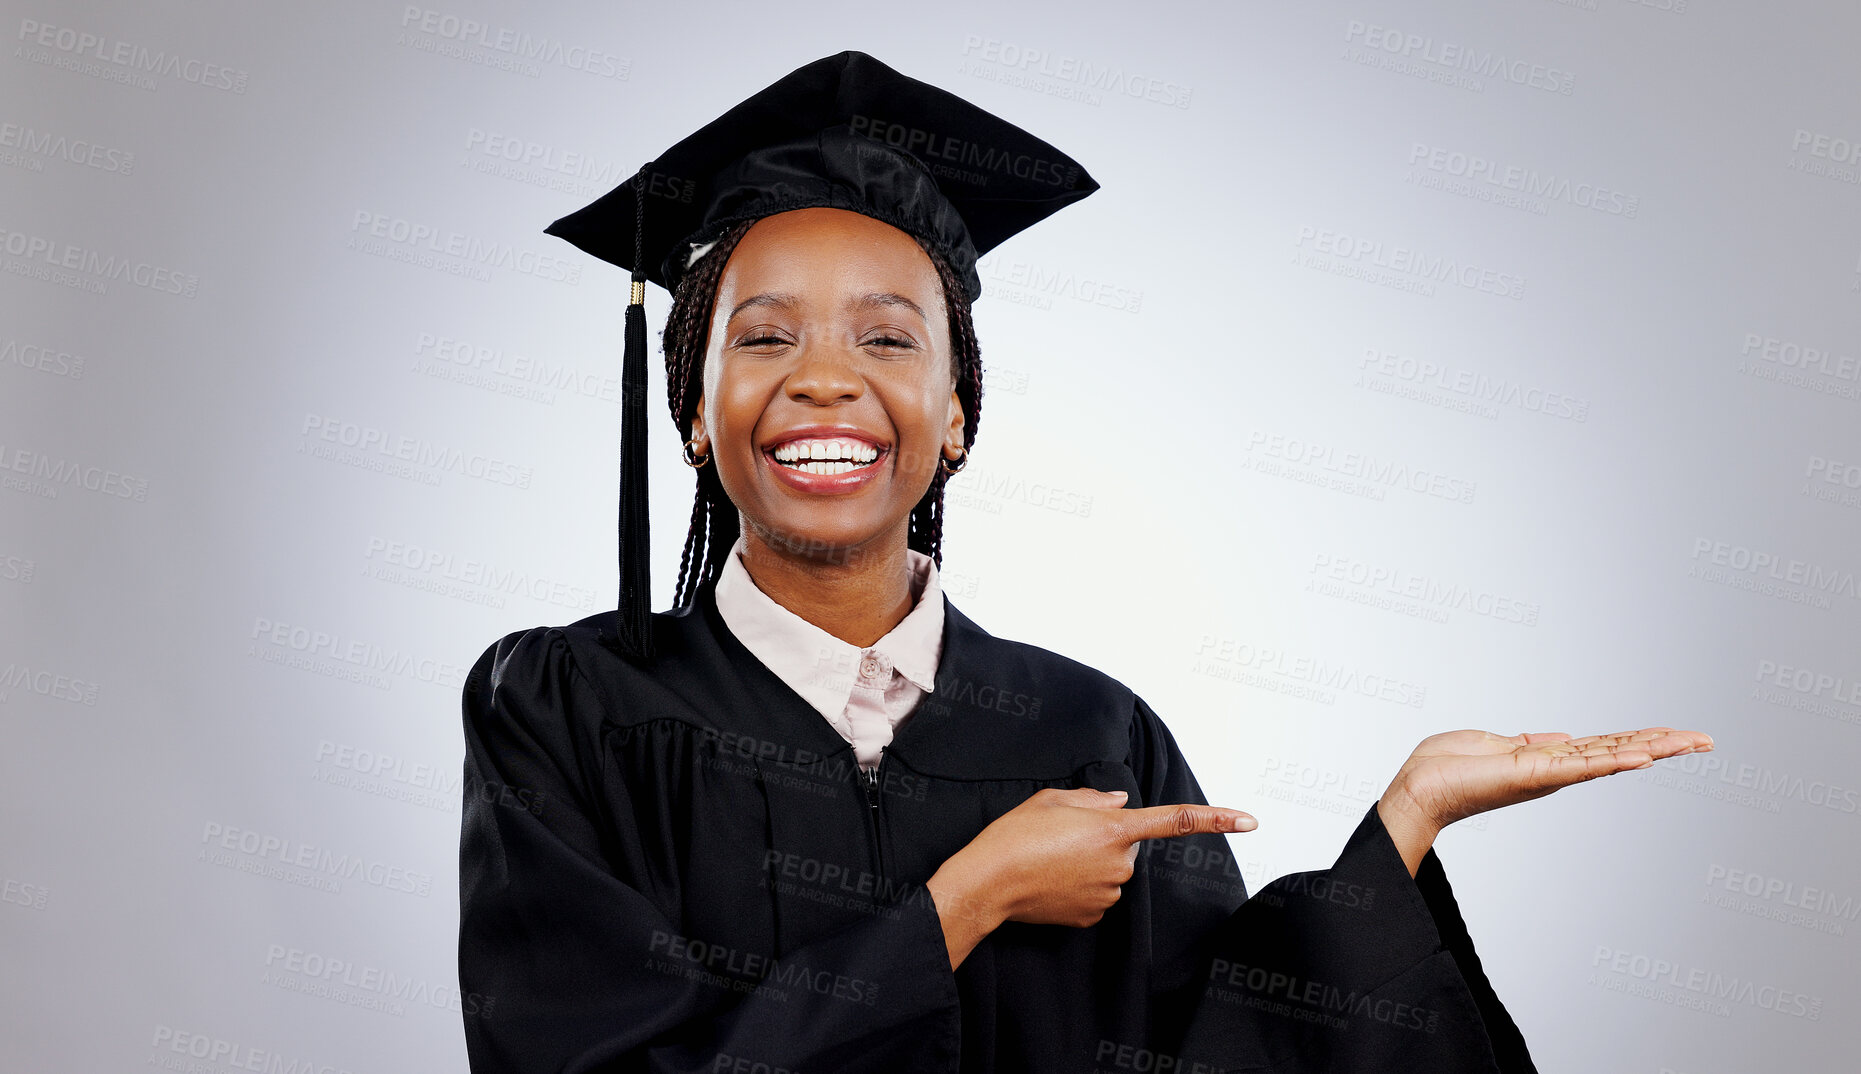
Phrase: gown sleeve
x=1355 y=968
x=555 y=949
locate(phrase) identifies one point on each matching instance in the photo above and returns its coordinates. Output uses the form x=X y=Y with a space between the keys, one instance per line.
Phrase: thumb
x=1092 y=798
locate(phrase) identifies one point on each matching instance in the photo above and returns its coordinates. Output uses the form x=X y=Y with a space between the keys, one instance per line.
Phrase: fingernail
x=1121 y=794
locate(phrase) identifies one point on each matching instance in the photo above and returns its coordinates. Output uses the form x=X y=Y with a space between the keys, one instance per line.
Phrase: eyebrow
x=878 y=299
x=779 y=299
x=873 y=300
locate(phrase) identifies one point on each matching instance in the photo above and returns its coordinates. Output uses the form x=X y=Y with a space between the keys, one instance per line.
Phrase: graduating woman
x=816 y=819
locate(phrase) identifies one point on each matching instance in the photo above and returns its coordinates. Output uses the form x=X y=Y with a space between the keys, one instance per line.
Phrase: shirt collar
x=817 y=665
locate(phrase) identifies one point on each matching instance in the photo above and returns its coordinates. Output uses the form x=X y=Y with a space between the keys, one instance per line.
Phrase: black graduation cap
x=843 y=132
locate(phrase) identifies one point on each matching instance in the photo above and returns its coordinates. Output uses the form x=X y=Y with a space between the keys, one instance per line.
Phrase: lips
x=824 y=452
x=819 y=456
x=825 y=459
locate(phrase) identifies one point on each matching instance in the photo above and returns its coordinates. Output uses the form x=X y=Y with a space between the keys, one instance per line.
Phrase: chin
x=822 y=536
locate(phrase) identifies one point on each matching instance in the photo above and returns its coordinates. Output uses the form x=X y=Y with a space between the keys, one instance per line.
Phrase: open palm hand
x=1456 y=774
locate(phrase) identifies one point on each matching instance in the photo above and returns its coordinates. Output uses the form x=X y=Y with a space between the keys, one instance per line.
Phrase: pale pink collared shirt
x=864 y=693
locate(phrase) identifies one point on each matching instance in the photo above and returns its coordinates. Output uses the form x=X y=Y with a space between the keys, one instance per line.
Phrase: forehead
x=827 y=253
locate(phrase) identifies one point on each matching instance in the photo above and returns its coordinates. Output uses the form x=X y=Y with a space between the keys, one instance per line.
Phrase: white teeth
x=844 y=454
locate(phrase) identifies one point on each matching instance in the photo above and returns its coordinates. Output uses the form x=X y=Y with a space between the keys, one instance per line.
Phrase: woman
x=814 y=818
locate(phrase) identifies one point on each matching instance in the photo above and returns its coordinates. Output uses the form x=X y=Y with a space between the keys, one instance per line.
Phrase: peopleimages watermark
x=304 y=864
x=797 y=768
x=1114 y=1057
x=1820 y=684
x=16 y=568
x=1399 y=267
x=122 y=61
x=69 y=265
x=29 y=143
x=961 y=153
x=1826 y=155
x=584 y=169
x=463 y=38
x=411 y=457
x=1463 y=389
x=1189 y=864
x=1303 y=999
x=1376 y=472
x=1770 y=574
x=1749 y=785
x=731 y=1063
x=1027 y=284
x=1794 y=355
x=173 y=1047
x=467 y=578
x=1812 y=369
x=344 y=981
x=346 y=656
x=835 y=884
x=510 y=373
x=1331 y=573
x=1711 y=991
x=459 y=253
x=46 y=683
x=749 y=971
x=1528 y=182
x=388 y=776
x=1004 y=698
x=1801 y=689
x=987 y=489
x=45 y=475
x=1066 y=76
x=43 y=358
x=20 y=893
x=1452 y=56
x=1776 y=899
x=1833 y=480
x=1315 y=678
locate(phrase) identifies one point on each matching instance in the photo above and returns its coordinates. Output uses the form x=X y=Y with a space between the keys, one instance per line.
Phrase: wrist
x=1410 y=827
x=964 y=890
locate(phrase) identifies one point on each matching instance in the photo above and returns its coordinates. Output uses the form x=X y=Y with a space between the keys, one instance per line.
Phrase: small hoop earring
x=693 y=459
x=961 y=461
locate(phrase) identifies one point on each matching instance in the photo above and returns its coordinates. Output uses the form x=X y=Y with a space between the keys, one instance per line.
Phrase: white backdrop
x=1420 y=365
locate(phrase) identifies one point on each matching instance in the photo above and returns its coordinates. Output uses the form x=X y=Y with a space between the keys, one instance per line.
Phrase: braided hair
x=715 y=524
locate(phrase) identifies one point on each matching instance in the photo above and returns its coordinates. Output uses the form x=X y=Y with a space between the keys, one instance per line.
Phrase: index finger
x=1168 y=821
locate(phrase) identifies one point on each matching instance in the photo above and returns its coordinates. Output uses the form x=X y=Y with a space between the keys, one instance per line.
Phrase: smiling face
x=829 y=395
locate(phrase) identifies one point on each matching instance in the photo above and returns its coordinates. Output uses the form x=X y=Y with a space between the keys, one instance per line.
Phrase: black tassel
x=635 y=619
x=636 y=585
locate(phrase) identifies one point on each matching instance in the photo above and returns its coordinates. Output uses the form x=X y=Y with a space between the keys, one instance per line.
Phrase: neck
x=857 y=594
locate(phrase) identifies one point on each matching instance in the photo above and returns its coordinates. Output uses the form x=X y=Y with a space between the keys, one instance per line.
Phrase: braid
x=926 y=529
x=694 y=534
x=715 y=524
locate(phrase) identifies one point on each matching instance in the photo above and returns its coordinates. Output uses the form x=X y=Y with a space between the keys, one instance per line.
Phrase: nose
x=823 y=375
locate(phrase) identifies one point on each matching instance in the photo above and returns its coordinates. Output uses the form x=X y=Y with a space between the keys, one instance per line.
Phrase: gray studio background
x=1420 y=365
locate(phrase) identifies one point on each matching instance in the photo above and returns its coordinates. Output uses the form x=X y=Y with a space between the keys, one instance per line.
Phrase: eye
x=886 y=341
x=761 y=339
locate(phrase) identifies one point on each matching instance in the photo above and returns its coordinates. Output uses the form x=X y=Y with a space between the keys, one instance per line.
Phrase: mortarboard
x=843 y=132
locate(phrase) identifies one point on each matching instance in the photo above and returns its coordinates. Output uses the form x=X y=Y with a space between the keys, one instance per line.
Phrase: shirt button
x=874 y=666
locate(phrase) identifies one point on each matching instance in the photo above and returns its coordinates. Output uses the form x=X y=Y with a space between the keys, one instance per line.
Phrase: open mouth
x=826 y=455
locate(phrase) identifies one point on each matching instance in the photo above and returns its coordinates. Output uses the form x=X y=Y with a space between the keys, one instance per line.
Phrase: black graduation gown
x=684 y=869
